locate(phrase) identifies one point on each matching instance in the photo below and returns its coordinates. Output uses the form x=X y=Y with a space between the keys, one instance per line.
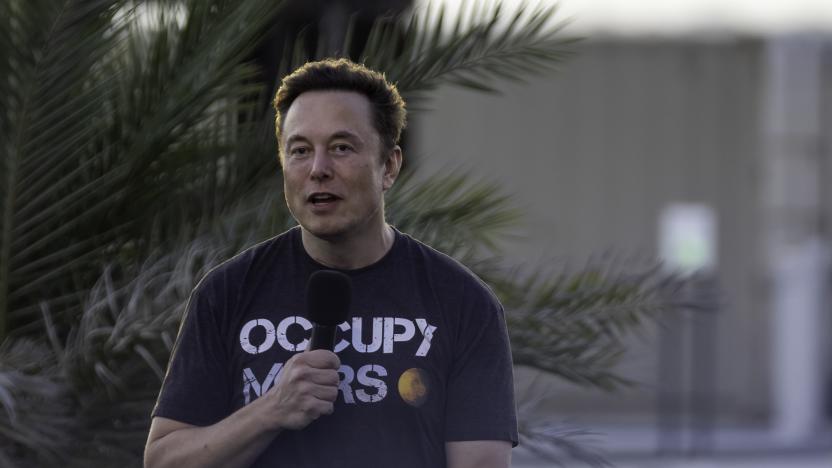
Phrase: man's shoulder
x=252 y=258
x=442 y=267
x=418 y=250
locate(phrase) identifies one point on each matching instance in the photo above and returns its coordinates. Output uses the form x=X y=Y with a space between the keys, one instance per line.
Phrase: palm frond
x=573 y=324
x=476 y=52
x=419 y=50
x=115 y=358
x=462 y=216
x=43 y=74
x=109 y=122
x=559 y=443
x=35 y=406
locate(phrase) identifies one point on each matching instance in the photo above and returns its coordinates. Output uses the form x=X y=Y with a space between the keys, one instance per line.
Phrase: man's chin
x=326 y=233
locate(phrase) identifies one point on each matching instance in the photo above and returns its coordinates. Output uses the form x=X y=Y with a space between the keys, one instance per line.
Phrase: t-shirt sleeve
x=196 y=389
x=480 y=398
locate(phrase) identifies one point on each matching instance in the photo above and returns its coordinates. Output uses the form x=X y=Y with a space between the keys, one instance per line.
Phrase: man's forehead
x=330 y=102
x=328 y=112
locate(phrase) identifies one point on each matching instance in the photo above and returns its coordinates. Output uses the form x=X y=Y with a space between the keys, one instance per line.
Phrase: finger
x=324 y=392
x=317 y=408
x=322 y=359
x=327 y=377
x=325 y=407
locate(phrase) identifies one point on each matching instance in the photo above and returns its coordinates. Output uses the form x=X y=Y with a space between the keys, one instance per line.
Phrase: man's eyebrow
x=347 y=135
x=342 y=134
x=294 y=138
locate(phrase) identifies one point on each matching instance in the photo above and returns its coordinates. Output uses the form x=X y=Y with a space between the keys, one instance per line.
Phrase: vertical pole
x=797 y=263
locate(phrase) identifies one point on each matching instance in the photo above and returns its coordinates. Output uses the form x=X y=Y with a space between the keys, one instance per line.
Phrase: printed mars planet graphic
x=414 y=386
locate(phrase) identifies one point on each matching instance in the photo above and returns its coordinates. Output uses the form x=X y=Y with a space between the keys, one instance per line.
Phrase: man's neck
x=349 y=253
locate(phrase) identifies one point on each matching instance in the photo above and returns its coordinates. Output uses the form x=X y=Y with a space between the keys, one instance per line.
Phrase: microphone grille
x=328 y=296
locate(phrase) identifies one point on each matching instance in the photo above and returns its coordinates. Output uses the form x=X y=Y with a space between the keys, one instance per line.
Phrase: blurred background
x=650 y=202
x=698 y=132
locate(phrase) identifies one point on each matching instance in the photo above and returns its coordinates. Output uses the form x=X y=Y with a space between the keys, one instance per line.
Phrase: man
x=421 y=372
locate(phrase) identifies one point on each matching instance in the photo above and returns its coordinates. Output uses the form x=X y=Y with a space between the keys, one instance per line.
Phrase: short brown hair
x=389 y=112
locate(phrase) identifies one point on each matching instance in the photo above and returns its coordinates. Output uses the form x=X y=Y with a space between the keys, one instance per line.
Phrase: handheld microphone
x=328 y=296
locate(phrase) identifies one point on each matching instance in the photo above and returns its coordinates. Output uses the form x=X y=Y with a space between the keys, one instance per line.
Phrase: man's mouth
x=320 y=198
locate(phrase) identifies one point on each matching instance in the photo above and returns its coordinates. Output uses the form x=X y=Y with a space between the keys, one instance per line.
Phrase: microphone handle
x=323 y=337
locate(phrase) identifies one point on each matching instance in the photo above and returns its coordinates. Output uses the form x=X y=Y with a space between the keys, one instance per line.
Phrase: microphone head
x=328 y=296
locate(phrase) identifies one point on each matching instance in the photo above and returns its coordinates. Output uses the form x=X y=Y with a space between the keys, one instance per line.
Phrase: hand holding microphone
x=308 y=383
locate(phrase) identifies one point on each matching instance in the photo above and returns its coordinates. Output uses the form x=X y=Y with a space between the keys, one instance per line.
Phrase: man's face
x=334 y=177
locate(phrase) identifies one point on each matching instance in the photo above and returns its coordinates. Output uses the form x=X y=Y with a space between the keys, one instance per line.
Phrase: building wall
x=596 y=150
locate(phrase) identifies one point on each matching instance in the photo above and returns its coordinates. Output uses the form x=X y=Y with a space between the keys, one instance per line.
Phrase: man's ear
x=392 y=166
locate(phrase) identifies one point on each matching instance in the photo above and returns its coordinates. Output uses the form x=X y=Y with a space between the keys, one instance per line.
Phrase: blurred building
x=629 y=128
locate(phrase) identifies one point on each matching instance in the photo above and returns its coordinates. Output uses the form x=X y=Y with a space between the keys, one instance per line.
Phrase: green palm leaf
x=105 y=124
x=42 y=77
x=421 y=53
x=463 y=217
x=36 y=410
x=573 y=324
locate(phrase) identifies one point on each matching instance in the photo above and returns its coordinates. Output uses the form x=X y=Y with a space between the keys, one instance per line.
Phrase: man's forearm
x=478 y=454
x=236 y=441
x=306 y=390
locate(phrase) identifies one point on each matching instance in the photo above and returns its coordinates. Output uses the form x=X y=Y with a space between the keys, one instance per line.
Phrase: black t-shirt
x=425 y=356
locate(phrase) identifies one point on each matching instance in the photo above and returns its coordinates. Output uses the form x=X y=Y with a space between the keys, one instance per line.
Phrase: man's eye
x=342 y=148
x=299 y=151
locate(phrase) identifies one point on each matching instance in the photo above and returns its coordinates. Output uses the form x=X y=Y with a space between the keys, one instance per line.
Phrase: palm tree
x=137 y=152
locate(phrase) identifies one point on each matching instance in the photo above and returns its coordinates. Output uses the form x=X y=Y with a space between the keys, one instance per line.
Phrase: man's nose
x=321 y=166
